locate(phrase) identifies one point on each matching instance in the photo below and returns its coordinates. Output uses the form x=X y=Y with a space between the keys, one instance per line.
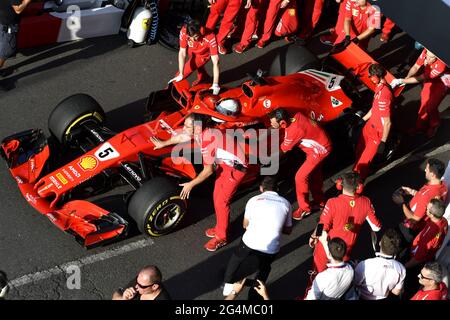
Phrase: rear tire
x=71 y=113
x=292 y=59
x=157 y=207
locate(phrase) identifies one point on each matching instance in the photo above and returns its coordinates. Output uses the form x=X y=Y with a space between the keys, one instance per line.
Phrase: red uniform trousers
x=230 y=9
x=251 y=17
x=196 y=63
x=270 y=19
x=312 y=10
x=227 y=182
x=388 y=26
x=309 y=178
x=433 y=92
x=366 y=149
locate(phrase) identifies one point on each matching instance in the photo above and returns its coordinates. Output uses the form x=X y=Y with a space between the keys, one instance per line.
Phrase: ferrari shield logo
x=352 y=203
x=88 y=163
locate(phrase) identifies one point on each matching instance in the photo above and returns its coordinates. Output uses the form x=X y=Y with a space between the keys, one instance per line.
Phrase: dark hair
x=193 y=27
x=279 y=114
x=351 y=180
x=437 y=271
x=337 y=248
x=391 y=242
x=377 y=70
x=436 y=166
x=437 y=208
x=269 y=183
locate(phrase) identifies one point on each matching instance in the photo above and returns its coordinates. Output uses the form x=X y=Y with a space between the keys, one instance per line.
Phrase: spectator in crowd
x=377 y=122
x=343 y=217
x=9 y=27
x=432 y=286
x=332 y=283
x=239 y=285
x=229 y=9
x=201 y=47
x=436 y=81
x=313 y=140
x=4 y=288
x=376 y=278
x=146 y=286
x=416 y=209
x=429 y=240
x=361 y=20
x=266 y=217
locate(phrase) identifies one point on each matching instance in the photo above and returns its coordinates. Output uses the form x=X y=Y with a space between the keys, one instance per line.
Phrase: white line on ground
x=42 y=275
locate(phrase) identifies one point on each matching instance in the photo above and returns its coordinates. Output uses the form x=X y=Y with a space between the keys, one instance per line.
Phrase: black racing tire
x=71 y=113
x=292 y=59
x=157 y=207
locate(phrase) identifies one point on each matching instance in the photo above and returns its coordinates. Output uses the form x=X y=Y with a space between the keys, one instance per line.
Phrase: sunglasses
x=143 y=287
x=421 y=276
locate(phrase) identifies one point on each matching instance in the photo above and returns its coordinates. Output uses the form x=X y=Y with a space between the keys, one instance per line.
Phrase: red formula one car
x=83 y=158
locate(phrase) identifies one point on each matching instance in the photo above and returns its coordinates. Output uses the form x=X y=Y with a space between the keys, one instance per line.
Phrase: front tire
x=71 y=113
x=157 y=207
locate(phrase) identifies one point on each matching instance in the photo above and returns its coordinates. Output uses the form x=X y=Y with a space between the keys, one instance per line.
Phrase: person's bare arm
x=245 y=223
x=386 y=128
x=179 y=138
x=20 y=8
x=216 y=68
x=181 y=60
x=413 y=71
x=347 y=24
x=366 y=34
x=367 y=115
x=408 y=213
x=202 y=176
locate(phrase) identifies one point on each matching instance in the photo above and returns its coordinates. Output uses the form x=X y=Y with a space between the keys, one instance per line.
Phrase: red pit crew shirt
x=381 y=106
x=438 y=294
x=362 y=19
x=344 y=215
x=204 y=47
x=221 y=148
x=429 y=240
x=434 y=70
x=309 y=136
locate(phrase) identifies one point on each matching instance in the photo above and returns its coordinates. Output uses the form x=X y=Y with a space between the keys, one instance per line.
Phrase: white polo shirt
x=267 y=214
x=376 y=277
x=332 y=283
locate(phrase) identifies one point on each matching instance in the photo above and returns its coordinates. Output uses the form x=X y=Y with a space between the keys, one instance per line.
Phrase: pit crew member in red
x=361 y=20
x=377 y=123
x=270 y=19
x=436 y=81
x=201 y=47
x=415 y=211
x=430 y=239
x=313 y=140
x=431 y=279
x=343 y=217
x=219 y=148
x=229 y=9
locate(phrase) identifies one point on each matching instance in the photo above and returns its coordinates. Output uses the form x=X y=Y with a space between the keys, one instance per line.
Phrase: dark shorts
x=8 y=43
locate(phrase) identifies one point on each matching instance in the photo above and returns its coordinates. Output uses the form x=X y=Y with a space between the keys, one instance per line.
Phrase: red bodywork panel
x=358 y=61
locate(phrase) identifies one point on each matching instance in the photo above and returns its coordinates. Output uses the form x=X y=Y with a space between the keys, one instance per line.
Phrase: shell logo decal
x=88 y=163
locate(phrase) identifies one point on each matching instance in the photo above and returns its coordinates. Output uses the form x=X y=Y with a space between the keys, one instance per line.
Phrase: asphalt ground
x=34 y=253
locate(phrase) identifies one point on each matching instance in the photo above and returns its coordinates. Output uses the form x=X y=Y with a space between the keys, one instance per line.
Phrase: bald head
x=150 y=274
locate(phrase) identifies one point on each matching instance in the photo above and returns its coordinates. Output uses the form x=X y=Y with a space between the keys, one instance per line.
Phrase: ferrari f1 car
x=83 y=157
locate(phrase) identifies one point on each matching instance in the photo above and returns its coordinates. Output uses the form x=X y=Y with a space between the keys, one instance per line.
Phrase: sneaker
x=240 y=48
x=214 y=244
x=327 y=40
x=299 y=214
x=232 y=31
x=260 y=44
x=221 y=49
x=210 y=233
x=384 y=37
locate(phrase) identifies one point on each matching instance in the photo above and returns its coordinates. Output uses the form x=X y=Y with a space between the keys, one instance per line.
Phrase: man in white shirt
x=266 y=216
x=377 y=277
x=332 y=283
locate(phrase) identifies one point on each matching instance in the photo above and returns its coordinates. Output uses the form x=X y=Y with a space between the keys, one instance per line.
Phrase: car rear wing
x=357 y=61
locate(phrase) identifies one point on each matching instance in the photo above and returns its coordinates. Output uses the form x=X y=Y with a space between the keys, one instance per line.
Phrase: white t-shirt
x=376 y=277
x=267 y=214
x=332 y=283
